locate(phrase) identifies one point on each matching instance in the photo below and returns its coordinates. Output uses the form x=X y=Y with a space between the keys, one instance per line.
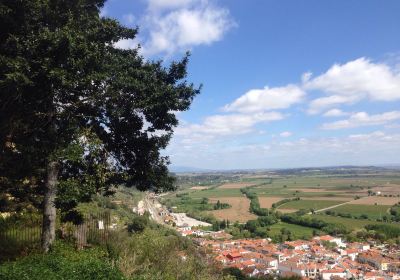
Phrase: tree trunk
x=49 y=207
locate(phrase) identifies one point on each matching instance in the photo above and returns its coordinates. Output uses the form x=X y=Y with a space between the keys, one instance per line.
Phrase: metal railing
x=20 y=232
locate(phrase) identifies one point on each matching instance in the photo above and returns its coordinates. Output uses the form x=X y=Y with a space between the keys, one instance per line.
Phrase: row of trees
x=79 y=116
x=283 y=201
x=255 y=207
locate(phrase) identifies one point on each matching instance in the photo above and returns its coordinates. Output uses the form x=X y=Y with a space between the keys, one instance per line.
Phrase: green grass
x=373 y=211
x=216 y=193
x=331 y=186
x=298 y=232
x=349 y=223
x=63 y=262
x=188 y=204
x=309 y=204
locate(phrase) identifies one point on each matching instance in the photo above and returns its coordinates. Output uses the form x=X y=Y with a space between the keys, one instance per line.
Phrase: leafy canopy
x=69 y=95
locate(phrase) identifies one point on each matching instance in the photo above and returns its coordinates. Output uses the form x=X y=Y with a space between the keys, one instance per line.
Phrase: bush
x=138 y=224
x=63 y=262
x=389 y=231
x=158 y=254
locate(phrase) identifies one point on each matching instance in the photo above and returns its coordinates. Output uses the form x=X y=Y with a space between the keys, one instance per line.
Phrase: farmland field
x=379 y=200
x=372 y=211
x=199 y=188
x=237 y=185
x=316 y=188
x=239 y=210
x=298 y=232
x=309 y=204
x=350 y=224
x=266 y=202
x=216 y=192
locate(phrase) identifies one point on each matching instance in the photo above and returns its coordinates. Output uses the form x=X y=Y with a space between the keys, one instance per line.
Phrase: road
x=330 y=207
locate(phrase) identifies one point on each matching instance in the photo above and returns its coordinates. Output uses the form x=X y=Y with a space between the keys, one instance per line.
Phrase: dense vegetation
x=79 y=115
x=310 y=221
x=63 y=262
x=145 y=250
x=254 y=203
x=283 y=201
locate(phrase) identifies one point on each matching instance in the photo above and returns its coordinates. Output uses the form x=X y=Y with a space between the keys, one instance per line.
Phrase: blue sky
x=285 y=83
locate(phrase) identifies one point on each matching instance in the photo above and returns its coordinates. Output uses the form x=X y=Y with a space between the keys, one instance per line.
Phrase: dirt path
x=330 y=207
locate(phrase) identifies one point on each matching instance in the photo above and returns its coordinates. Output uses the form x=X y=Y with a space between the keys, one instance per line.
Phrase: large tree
x=78 y=114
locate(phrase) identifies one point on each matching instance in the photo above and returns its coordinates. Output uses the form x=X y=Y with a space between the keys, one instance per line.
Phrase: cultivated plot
x=237 y=185
x=238 y=212
x=379 y=200
x=266 y=202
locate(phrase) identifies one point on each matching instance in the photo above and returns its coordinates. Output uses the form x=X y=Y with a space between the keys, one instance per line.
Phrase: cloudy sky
x=285 y=83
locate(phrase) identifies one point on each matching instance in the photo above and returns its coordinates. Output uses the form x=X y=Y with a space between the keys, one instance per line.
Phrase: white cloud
x=319 y=104
x=363 y=119
x=353 y=81
x=179 y=25
x=335 y=113
x=285 y=134
x=223 y=125
x=126 y=44
x=259 y=100
x=356 y=149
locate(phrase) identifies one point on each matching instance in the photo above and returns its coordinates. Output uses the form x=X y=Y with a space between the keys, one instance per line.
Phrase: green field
x=319 y=185
x=309 y=204
x=215 y=193
x=298 y=232
x=349 y=223
x=373 y=211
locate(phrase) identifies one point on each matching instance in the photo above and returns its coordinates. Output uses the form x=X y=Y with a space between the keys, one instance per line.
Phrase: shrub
x=63 y=262
x=158 y=254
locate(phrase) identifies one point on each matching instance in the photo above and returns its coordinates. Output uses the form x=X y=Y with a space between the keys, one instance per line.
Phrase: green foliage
x=313 y=222
x=354 y=210
x=296 y=231
x=63 y=262
x=157 y=254
x=395 y=212
x=70 y=97
x=385 y=231
x=138 y=224
x=329 y=245
x=236 y=273
x=254 y=203
x=220 y=205
x=283 y=201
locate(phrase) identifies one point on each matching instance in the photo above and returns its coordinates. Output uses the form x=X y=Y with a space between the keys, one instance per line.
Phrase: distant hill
x=349 y=169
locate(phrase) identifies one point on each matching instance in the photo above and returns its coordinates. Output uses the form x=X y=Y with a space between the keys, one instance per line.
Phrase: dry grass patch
x=266 y=202
x=238 y=212
x=286 y=211
x=237 y=185
x=379 y=200
x=389 y=189
x=199 y=188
